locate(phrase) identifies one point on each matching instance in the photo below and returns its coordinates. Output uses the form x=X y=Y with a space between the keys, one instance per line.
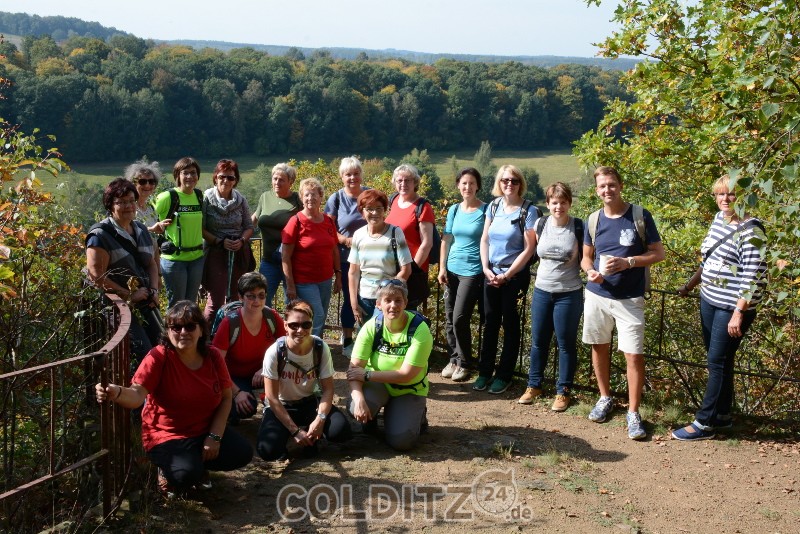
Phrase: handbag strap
x=740 y=227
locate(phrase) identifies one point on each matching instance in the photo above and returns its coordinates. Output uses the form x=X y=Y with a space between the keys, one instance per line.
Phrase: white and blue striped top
x=737 y=268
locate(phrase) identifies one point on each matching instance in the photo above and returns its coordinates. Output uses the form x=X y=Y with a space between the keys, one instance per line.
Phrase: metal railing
x=63 y=474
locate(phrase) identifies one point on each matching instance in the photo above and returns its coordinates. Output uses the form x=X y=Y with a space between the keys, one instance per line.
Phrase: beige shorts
x=601 y=314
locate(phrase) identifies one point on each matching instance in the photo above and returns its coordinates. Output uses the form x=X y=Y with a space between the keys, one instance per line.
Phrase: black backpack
x=542 y=220
x=283 y=360
x=523 y=215
x=433 y=255
x=378 y=342
x=231 y=311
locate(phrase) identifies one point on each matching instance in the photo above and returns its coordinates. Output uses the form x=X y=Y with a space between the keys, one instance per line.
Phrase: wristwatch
x=366 y=376
x=631 y=262
x=215 y=437
x=322 y=416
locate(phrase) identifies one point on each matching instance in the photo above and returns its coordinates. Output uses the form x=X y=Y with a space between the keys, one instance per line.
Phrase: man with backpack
x=620 y=242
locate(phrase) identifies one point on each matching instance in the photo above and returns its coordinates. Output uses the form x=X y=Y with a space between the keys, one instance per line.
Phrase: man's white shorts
x=600 y=314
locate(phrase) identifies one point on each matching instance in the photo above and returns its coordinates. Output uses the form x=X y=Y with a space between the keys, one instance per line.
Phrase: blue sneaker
x=601 y=410
x=481 y=383
x=635 y=428
x=693 y=432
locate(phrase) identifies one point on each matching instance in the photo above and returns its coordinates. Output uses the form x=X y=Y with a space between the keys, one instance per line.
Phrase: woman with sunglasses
x=507 y=245
x=186 y=391
x=292 y=367
x=378 y=252
x=145 y=176
x=391 y=372
x=461 y=274
x=227 y=229
x=255 y=327
x=120 y=259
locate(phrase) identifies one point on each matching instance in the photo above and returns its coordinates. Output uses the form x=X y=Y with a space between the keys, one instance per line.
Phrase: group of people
x=377 y=249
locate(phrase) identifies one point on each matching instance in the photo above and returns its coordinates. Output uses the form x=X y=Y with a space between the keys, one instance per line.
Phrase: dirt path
x=490 y=464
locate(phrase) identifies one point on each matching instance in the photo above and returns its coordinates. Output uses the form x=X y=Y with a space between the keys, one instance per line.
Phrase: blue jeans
x=368 y=305
x=559 y=313
x=319 y=297
x=245 y=383
x=501 y=308
x=721 y=349
x=460 y=297
x=273 y=272
x=347 y=317
x=182 y=279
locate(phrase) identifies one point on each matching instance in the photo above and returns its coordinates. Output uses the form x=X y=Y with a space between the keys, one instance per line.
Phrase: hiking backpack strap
x=540 y=222
x=393 y=241
x=283 y=359
x=578 y=224
x=594 y=218
x=638 y=221
x=234 y=326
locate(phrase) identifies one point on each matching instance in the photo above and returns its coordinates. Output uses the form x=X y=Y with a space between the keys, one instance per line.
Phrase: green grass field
x=551 y=166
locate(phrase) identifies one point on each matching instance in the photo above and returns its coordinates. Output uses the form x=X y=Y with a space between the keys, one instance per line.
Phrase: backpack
x=283 y=360
x=523 y=215
x=231 y=311
x=578 y=225
x=378 y=342
x=433 y=255
x=638 y=221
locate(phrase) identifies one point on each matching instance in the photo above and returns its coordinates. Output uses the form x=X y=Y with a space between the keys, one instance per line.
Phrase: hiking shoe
x=449 y=369
x=461 y=374
x=205 y=482
x=723 y=423
x=560 y=404
x=347 y=347
x=481 y=383
x=499 y=386
x=693 y=432
x=164 y=487
x=529 y=395
x=601 y=410
x=635 y=427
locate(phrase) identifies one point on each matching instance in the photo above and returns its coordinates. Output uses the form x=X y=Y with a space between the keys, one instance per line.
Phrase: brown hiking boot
x=561 y=403
x=529 y=395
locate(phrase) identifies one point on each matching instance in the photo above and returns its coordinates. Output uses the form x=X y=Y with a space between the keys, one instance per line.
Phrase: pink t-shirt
x=180 y=401
x=246 y=355
x=406 y=220
x=312 y=259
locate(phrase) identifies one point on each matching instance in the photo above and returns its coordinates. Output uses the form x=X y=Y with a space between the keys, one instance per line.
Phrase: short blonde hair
x=349 y=164
x=516 y=173
x=722 y=184
x=311 y=183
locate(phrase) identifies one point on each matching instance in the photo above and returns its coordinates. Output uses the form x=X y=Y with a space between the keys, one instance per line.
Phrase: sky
x=493 y=27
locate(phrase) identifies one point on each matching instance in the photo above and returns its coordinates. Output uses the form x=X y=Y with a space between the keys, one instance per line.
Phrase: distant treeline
x=122 y=97
x=59 y=28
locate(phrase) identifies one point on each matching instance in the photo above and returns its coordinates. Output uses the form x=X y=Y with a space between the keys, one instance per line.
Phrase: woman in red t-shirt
x=257 y=329
x=310 y=254
x=418 y=233
x=188 y=393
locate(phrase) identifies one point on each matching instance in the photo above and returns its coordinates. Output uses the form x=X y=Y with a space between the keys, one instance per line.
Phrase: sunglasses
x=391 y=282
x=305 y=325
x=255 y=296
x=512 y=181
x=147 y=181
x=188 y=327
x=222 y=178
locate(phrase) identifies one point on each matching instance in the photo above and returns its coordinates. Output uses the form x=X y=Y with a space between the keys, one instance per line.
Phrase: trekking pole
x=230 y=276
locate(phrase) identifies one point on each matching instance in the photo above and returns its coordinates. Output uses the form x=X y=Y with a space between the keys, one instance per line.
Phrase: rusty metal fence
x=65 y=458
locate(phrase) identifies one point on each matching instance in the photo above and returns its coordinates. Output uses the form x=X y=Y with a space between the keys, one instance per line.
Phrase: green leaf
x=769 y=109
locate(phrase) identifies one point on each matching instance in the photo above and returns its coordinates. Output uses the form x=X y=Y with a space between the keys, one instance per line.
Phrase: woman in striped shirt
x=732 y=278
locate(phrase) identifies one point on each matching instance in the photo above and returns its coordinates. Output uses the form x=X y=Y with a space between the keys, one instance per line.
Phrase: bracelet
x=215 y=437
x=119 y=394
x=738 y=309
x=296 y=432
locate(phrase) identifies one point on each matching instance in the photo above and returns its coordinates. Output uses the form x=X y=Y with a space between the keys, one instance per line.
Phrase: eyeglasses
x=512 y=181
x=255 y=296
x=147 y=181
x=374 y=210
x=223 y=178
x=188 y=327
x=305 y=325
x=125 y=203
x=189 y=173
x=391 y=282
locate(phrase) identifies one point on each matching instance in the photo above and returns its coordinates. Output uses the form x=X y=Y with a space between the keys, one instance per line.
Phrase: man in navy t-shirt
x=614 y=258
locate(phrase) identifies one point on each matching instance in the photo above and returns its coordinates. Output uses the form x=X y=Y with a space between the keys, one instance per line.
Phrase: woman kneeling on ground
x=188 y=392
x=389 y=368
x=292 y=366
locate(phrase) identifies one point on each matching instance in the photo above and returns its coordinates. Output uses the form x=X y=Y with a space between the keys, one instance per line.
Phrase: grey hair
x=349 y=164
x=142 y=166
x=388 y=289
x=407 y=168
x=288 y=170
x=311 y=183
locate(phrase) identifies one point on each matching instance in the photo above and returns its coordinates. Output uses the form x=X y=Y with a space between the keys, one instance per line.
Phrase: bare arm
x=286 y=260
x=447 y=240
x=131 y=397
x=426 y=242
x=353 y=279
x=271 y=390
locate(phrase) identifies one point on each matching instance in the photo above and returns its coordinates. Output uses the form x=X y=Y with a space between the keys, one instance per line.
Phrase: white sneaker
x=461 y=374
x=448 y=371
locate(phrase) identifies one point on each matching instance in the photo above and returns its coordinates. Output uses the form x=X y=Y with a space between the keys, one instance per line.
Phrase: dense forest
x=120 y=97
